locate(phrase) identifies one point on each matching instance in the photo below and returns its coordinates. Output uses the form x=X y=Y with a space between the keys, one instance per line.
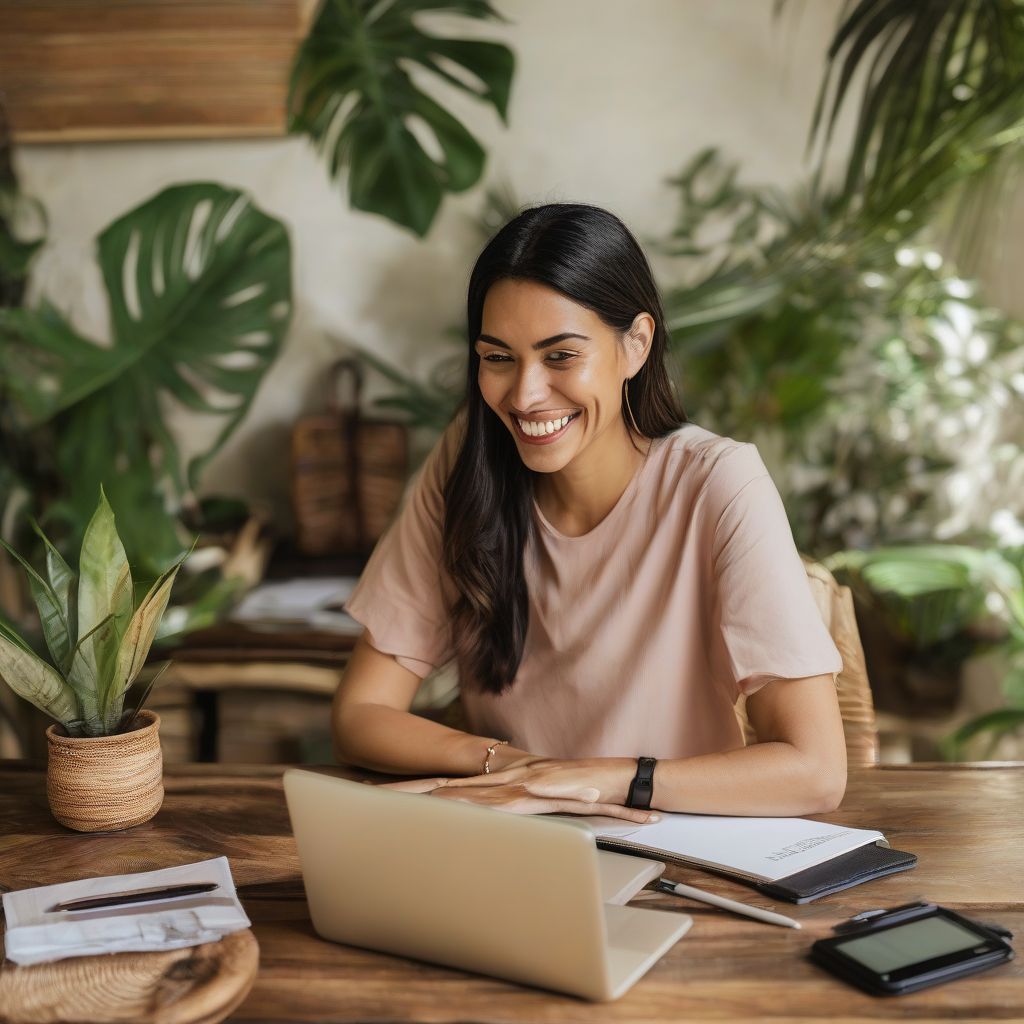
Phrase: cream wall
x=609 y=98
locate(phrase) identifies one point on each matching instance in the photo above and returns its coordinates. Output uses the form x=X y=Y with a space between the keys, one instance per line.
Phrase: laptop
x=513 y=896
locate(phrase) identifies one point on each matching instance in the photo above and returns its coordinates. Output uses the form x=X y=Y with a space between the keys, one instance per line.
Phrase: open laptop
x=510 y=895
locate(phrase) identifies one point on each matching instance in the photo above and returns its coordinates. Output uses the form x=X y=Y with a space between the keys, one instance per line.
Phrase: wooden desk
x=965 y=823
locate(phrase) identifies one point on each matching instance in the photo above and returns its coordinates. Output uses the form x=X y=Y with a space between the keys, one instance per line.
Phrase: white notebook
x=36 y=933
x=755 y=849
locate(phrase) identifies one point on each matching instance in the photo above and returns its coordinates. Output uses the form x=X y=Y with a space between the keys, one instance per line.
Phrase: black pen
x=117 y=899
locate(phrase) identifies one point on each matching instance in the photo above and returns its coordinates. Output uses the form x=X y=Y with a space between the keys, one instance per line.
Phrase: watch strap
x=641 y=789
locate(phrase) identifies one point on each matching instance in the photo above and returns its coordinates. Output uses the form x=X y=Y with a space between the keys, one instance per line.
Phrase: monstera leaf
x=199 y=291
x=352 y=95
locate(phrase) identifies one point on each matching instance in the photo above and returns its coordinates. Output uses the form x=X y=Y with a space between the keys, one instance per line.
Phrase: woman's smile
x=543 y=431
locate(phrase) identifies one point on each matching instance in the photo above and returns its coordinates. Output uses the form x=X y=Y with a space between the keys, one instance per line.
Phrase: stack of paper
x=308 y=602
x=36 y=933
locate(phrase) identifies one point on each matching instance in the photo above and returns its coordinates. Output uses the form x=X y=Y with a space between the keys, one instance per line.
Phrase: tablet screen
x=911 y=943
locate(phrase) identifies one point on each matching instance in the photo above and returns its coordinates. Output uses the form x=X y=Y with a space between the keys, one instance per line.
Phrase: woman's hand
x=540 y=785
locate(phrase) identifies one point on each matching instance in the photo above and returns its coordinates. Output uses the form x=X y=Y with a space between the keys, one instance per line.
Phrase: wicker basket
x=347 y=473
x=105 y=783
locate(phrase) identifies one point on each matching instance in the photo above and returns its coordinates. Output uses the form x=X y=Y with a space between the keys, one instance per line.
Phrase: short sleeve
x=765 y=610
x=401 y=595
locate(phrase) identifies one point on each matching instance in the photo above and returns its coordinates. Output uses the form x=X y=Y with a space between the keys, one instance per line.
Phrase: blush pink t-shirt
x=642 y=632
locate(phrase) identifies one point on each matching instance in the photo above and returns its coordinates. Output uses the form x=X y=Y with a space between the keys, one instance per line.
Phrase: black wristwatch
x=641 y=789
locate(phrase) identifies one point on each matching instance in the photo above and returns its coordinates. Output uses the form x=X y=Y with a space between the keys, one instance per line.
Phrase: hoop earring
x=625 y=396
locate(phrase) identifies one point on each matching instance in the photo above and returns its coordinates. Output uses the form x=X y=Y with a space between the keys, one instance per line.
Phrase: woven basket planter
x=105 y=783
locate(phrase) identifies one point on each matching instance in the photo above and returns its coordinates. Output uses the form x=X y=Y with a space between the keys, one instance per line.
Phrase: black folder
x=865 y=863
x=860 y=865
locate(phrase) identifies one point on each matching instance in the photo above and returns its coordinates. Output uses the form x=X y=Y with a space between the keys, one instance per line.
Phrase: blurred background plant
x=945 y=603
x=352 y=94
x=430 y=404
x=885 y=392
x=198 y=288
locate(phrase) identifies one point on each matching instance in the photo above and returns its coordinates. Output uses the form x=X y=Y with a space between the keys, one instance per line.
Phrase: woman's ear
x=638 y=341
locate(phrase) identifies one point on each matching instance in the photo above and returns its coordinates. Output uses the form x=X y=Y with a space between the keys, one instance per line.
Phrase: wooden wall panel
x=147 y=69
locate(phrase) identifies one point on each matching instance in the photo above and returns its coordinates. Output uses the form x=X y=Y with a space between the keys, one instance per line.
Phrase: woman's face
x=577 y=375
x=552 y=370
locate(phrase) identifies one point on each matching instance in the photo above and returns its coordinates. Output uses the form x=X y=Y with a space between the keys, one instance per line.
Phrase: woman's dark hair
x=588 y=255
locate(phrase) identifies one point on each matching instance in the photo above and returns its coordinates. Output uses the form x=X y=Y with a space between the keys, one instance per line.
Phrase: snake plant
x=97 y=637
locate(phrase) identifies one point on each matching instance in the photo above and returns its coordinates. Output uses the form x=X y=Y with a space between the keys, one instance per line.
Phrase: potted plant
x=105 y=769
x=928 y=593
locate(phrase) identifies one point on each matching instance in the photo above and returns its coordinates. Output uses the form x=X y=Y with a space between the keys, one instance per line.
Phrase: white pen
x=678 y=889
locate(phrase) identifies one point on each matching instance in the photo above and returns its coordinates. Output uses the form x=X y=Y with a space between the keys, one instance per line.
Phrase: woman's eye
x=495 y=357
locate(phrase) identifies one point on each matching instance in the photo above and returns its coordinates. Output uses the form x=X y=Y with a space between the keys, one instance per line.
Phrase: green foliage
x=198 y=284
x=429 y=405
x=941 y=102
x=860 y=353
x=16 y=251
x=934 y=592
x=941 y=587
x=98 y=639
x=994 y=726
x=432 y=404
x=352 y=94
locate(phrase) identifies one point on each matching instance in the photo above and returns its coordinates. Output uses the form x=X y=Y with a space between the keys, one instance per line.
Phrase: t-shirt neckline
x=624 y=499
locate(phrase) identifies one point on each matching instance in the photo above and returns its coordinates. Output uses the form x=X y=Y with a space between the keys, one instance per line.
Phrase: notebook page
x=765 y=849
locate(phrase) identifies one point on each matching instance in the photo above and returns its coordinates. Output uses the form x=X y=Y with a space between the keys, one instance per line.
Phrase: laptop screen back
x=449 y=882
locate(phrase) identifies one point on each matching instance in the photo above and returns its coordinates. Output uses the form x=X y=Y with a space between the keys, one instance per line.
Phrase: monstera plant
x=16 y=251
x=352 y=94
x=198 y=284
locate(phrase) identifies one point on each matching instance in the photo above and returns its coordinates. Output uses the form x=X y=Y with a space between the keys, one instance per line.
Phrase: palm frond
x=942 y=97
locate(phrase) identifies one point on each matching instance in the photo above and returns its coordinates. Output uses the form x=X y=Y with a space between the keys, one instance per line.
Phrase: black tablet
x=910 y=948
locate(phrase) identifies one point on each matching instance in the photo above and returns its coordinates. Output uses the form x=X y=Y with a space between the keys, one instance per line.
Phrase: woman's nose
x=530 y=387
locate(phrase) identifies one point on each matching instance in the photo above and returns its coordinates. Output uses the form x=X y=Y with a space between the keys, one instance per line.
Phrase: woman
x=608 y=576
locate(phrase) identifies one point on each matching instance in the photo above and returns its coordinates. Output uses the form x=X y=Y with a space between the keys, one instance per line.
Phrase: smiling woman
x=608 y=577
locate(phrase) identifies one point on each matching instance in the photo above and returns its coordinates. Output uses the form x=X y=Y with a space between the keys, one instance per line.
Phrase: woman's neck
x=575 y=499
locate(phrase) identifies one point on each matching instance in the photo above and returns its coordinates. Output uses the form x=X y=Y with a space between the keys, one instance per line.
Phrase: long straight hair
x=588 y=255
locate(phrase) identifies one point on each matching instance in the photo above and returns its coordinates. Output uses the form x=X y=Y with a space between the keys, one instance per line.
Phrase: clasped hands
x=543 y=785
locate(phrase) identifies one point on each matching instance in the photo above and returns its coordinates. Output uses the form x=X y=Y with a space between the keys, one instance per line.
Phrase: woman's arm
x=798 y=765
x=372 y=727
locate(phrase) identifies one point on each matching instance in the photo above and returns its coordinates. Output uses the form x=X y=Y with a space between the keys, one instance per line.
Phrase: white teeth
x=539 y=429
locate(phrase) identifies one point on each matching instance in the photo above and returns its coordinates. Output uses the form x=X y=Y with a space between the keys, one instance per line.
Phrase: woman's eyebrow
x=546 y=343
